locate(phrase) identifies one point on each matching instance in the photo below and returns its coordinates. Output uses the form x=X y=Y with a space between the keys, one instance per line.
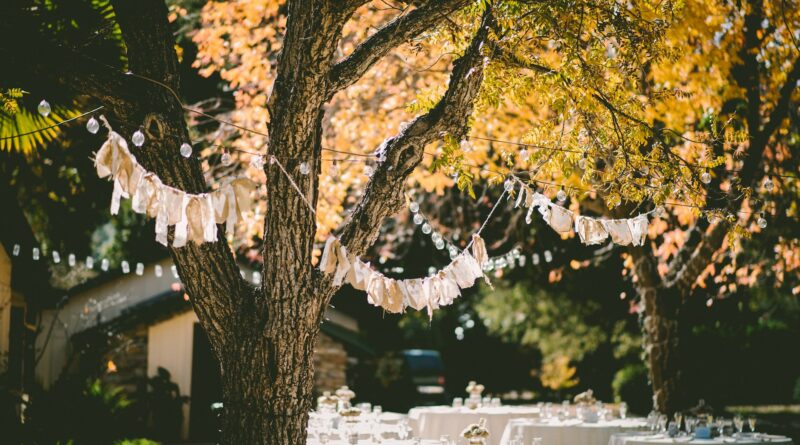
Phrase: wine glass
x=678 y=418
x=738 y=422
x=458 y=402
x=662 y=423
x=690 y=423
x=751 y=422
x=623 y=410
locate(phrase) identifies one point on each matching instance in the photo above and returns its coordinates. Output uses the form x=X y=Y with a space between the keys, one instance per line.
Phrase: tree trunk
x=268 y=374
x=661 y=337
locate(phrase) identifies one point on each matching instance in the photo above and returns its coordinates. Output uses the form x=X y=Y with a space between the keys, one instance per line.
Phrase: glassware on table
x=444 y=439
x=458 y=402
x=623 y=410
x=365 y=407
x=738 y=422
x=662 y=423
x=496 y=402
x=402 y=429
x=751 y=422
x=690 y=424
x=678 y=419
x=377 y=410
x=486 y=401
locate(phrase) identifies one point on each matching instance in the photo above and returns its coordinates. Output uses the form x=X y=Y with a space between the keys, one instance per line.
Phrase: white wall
x=169 y=345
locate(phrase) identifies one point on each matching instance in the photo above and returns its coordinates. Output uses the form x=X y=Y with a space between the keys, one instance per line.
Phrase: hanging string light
x=705 y=177
x=304 y=168
x=226 y=159
x=186 y=150
x=561 y=195
x=92 y=125
x=44 y=108
x=138 y=138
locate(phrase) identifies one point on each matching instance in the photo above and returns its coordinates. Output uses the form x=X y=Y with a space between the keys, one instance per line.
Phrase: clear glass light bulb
x=35 y=254
x=523 y=155
x=439 y=244
x=705 y=177
x=304 y=169
x=126 y=267
x=508 y=185
x=44 y=108
x=334 y=170
x=436 y=236
x=426 y=228
x=226 y=159
x=92 y=126
x=138 y=138
x=186 y=150
x=104 y=265
x=582 y=163
x=645 y=170
x=139 y=269
x=414 y=207
x=56 y=257
x=661 y=211
x=71 y=260
x=465 y=146
x=418 y=219
x=159 y=270
x=548 y=256
x=16 y=250
x=762 y=222
x=769 y=185
x=453 y=253
x=89 y=262
x=561 y=195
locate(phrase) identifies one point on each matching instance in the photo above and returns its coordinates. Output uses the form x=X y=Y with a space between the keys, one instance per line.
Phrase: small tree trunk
x=661 y=337
x=267 y=376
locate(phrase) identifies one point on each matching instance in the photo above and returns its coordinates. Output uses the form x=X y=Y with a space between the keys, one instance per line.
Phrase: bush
x=631 y=386
x=797 y=390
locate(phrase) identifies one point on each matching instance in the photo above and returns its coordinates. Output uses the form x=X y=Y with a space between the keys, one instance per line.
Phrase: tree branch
x=384 y=194
x=402 y=29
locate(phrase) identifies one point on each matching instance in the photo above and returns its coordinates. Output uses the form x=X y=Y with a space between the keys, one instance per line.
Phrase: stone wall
x=330 y=363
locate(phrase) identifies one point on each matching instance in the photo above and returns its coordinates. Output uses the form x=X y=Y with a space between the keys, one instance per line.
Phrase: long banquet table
x=568 y=432
x=660 y=439
x=433 y=422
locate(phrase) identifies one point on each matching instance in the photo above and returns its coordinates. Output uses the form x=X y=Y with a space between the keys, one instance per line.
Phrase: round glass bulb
x=226 y=159
x=762 y=222
x=561 y=195
x=414 y=207
x=769 y=185
x=138 y=138
x=186 y=150
x=257 y=162
x=44 y=108
x=426 y=228
x=705 y=177
x=582 y=163
x=439 y=244
x=508 y=185
x=304 y=168
x=418 y=219
x=92 y=126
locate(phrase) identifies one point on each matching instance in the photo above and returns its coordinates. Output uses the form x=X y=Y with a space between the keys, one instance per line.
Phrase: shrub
x=631 y=386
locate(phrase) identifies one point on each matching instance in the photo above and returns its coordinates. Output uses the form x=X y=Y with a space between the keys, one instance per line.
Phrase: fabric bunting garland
x=590 y=230
x=195 y=216
x=394 y=296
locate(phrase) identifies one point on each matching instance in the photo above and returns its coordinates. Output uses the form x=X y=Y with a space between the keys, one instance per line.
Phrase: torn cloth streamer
x=394 y=296
x=590 y=230
x=194 y=216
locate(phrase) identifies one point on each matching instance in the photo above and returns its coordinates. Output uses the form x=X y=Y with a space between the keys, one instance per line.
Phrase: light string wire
x=353 y=154
x=481 y=168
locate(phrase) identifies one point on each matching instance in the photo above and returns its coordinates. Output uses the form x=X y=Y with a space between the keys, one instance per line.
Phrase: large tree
x=567 y=66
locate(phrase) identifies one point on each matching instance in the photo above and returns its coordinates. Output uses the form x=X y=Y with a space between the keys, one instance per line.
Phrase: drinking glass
x=738 y=422
x=751 y=422
x=662 y=422
x=690 y=423
x=377 y=410
x=458 y=402
x=495 y=401
x=402 y=430
x=678 y=418
x=623 y=410
x=444 y=439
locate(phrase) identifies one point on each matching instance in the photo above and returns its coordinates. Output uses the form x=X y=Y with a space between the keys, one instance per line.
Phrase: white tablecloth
x=367 y=441
x=568 y=432
x=649 y=439
x=435 y=421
